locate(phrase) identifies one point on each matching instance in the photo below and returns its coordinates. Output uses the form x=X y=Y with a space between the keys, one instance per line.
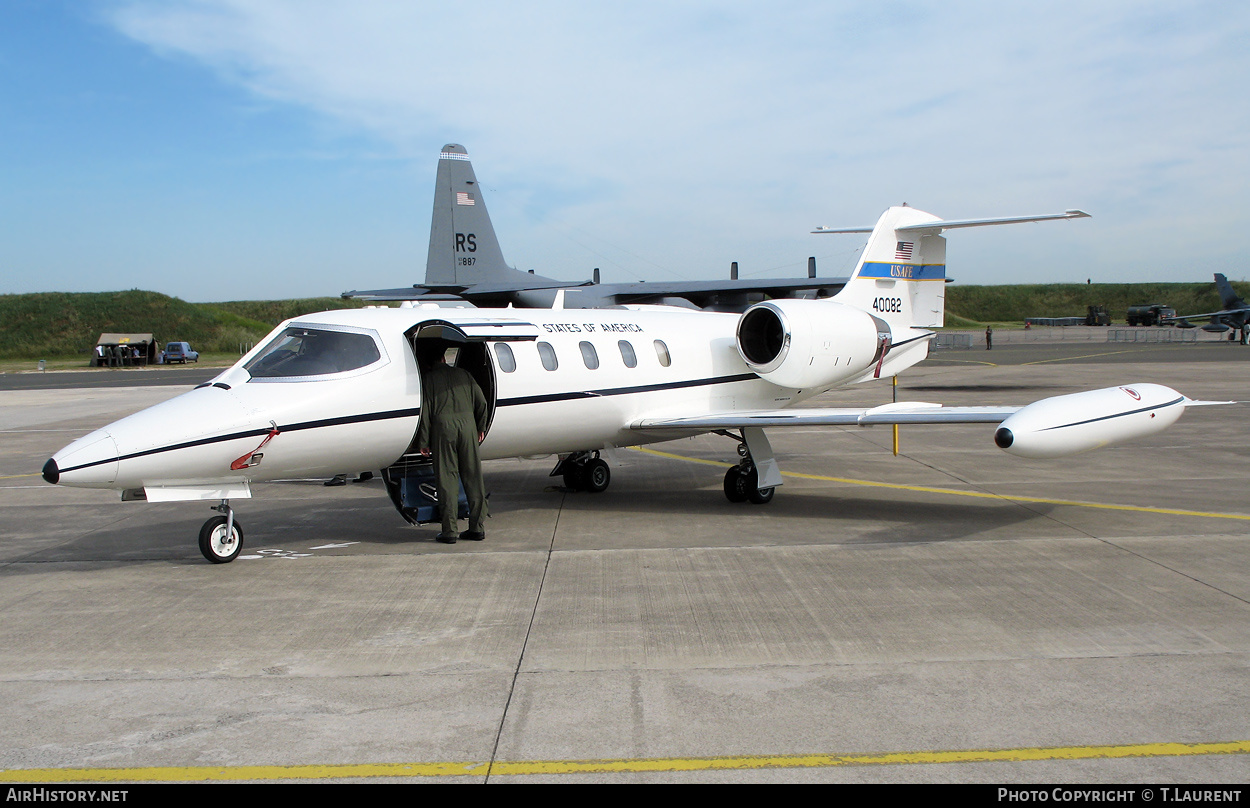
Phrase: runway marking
x=19 y=476
x=623 y=765
x=975 y=494
x=964 y=361
x=1086 y=356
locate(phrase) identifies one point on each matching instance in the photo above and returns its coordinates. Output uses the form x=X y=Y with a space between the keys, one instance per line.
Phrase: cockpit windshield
x=300 y=351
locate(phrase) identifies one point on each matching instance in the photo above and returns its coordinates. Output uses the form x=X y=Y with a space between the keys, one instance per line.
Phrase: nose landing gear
x=221 y=537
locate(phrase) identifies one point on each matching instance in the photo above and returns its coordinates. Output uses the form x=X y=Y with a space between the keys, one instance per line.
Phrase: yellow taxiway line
x=957 y=493
x=624 y=765
x=1084 y=356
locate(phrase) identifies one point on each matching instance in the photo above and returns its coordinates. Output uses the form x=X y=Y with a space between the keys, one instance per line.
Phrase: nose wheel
x=221 y=537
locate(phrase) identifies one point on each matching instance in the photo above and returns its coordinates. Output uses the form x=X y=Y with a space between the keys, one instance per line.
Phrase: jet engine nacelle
x=803 y=344
x=1064 y=425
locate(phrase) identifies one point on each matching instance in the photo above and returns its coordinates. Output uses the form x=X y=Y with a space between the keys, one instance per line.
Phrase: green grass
x=972 y=306
x=64 y=326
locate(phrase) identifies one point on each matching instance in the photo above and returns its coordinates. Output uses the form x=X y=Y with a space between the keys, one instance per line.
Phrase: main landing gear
x=221 y=537
x=584 y=471
x=742 y=481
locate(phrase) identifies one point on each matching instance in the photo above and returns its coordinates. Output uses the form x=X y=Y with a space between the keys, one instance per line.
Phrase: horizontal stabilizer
x=938 y=226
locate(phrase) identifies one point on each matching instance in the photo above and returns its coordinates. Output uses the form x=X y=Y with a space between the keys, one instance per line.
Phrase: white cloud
x=686 y=135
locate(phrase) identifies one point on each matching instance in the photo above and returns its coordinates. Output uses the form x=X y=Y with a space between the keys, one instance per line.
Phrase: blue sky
x=218 y=150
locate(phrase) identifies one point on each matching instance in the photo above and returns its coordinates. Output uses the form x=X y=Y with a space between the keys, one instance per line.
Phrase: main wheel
x=759 y=496
x=735 y=485
x=573 y=478
x=214 y=543
x=595 y=476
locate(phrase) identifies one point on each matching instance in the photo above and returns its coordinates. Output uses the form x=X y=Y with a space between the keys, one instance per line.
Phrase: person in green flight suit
x=453 y=423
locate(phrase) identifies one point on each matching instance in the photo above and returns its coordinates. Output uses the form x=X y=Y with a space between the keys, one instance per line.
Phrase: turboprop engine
x=1064 y=425
x=803 y=344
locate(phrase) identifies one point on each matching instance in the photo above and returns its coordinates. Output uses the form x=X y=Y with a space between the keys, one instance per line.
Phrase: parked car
x=180 y=352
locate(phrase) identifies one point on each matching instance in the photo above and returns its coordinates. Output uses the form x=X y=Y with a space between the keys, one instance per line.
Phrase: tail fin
x=1229 y=298
x=901 y=277
x=463 y=247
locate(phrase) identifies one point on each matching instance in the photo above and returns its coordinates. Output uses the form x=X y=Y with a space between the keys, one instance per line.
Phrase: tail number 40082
x=883 y=304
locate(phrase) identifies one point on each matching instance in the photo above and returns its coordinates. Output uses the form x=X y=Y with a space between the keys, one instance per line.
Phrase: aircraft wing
x=699 y=293
x=903 y=412
x=422 y=292
x=1208 y=315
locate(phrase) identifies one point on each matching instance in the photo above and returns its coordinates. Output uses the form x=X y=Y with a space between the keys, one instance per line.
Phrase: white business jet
x=342 y=389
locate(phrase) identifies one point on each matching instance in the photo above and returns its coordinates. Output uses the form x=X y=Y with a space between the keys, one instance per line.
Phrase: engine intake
x=762 y=337
x=803 y=344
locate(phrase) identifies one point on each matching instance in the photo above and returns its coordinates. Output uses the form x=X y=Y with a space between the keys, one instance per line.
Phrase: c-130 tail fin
x=463 y=247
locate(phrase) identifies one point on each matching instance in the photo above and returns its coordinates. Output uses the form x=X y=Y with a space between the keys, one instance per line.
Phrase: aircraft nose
x=89 y=462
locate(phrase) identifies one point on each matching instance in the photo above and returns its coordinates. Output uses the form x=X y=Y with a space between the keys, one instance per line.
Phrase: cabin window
x=299 y=351
x=548 y=355
x=589 y=355
x=627 y=354
x=661 y=353
x=503 y=353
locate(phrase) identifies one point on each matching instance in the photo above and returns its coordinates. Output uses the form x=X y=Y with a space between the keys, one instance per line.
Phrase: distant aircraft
x=465 y=262
x=341 y=390
x=1235 y=314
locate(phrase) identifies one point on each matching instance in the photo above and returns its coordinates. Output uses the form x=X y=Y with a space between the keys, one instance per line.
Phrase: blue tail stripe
x=903 y=272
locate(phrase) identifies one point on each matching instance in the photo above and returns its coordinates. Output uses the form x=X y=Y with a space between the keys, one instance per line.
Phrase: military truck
x=1097 y=315
x=1151 y=314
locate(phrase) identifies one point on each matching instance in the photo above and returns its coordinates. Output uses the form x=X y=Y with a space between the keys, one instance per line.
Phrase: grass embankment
x=972 y=306
x=62 y=326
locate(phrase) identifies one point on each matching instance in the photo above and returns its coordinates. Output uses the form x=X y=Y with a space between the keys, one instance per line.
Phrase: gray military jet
x=466 y=263
x=1235 y=314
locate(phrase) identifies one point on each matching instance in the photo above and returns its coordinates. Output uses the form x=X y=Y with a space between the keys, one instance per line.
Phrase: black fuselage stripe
x=1117 y=415
x=623 y=391
x=910 y=341
x=382 y=416
x=256 y=433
